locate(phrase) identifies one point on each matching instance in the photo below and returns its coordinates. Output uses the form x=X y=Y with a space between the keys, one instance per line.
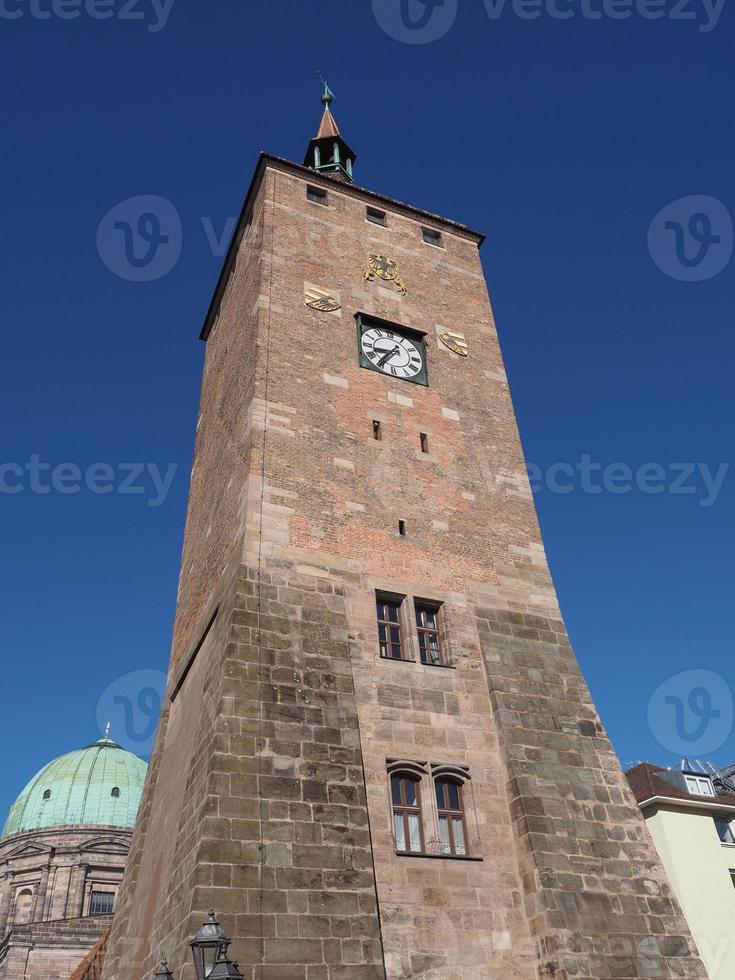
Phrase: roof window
x=700 y=786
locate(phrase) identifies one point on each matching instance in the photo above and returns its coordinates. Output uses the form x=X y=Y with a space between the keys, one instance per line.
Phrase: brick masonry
x=268 y=795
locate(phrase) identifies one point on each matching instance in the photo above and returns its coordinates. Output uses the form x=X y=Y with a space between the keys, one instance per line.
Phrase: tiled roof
x=328 y=126
x=645 y=783
x=91 y=966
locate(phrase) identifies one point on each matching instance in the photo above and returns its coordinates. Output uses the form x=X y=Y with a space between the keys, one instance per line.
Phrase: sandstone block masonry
x=269 y=795
x=49 y=950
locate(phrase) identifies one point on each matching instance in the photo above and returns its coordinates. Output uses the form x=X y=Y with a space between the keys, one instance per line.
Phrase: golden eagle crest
x=384 y=268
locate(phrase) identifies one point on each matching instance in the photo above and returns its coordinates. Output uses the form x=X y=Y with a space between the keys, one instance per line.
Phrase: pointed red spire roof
x=328 y=125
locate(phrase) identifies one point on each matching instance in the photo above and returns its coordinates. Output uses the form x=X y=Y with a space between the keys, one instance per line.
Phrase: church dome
x=100 y=784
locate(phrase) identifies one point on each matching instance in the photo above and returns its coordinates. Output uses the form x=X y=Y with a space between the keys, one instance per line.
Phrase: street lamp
x=209 y=948
x=225 y=969
x=163 y=970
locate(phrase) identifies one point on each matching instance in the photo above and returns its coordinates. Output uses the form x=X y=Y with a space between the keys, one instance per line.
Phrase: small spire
x=107 y=730
x=328 y=126
x=328 y=153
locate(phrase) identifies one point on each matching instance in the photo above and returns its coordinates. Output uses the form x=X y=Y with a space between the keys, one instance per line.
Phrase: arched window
x=115 y=791
x=23 y=906
x=406 y=796
x=47 y=794
x=450 y=806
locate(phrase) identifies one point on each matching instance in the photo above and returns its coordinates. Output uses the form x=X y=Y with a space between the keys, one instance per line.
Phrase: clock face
x=392 y=353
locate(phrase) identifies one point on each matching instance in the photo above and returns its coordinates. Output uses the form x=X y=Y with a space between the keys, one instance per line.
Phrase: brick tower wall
x=268 y=793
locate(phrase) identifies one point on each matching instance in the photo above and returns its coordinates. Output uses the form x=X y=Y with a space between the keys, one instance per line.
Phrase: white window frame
x=725 y=818
x=700 y=786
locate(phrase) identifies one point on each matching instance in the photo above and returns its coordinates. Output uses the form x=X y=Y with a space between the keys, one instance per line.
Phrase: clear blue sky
x=562 y=139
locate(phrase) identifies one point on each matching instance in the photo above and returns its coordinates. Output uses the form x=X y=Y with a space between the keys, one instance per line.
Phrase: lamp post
x=209 y=951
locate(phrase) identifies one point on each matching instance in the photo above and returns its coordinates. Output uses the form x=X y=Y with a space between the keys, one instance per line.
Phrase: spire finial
x=107 y=730
x=327 y=94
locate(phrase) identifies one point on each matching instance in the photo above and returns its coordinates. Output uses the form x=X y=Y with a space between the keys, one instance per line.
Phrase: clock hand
x=387 y=356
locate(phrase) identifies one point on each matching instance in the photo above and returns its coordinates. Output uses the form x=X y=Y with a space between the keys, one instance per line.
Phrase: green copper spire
x=328 y=94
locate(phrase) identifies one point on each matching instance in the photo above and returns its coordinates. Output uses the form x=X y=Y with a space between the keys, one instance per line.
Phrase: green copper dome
x=100 y=784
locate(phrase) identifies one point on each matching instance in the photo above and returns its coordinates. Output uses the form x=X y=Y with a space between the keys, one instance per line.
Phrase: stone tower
x=378 y=757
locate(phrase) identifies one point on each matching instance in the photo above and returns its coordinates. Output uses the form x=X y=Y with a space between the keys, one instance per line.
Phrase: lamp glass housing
x=208 y=946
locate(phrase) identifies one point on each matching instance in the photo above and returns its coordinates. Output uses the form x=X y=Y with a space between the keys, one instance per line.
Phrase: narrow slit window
x=732 y=876
x=424 y=442
x=450 y=806
x=377 y=430
x=375 y=216
x=427 y=625
x=406 y=797
x=389 y=628
x=316 y=195
x=402 y=529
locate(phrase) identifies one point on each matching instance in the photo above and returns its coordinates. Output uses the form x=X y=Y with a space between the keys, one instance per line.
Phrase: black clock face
x=392 y=352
